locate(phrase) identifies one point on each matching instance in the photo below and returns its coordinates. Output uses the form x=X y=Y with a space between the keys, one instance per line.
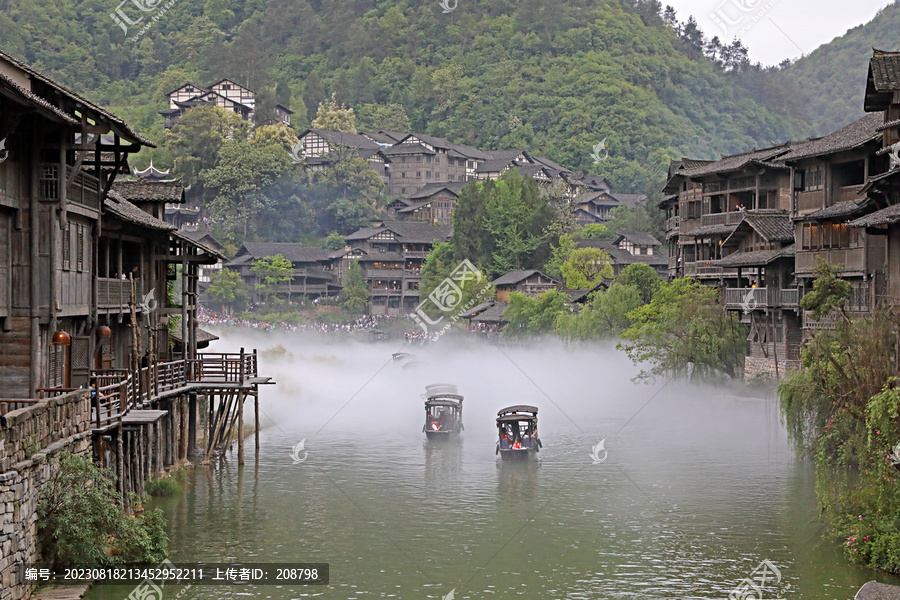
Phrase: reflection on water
x=697 y=490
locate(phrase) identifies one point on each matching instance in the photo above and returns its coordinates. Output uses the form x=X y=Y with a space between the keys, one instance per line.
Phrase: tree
x=643 y=278
x=440 y=265
x=227 y=288
x=606 y=315
x=534 y=316
x=685 y=331
x=382 y=117
x=355 y=293
x=595 y=231
x=829 y=292
x=559 y=254
x=586 y=268
x=503 y=224
x=272 y=271
x=313 y=94
x=334 y=117
x=334 y=241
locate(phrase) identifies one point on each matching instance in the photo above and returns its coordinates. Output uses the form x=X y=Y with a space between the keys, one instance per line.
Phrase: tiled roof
x=203 y=336
x=463 y=150
x=851 y=136
x=707 y=230
x=772 y=227
x=601 y=198
x=757 y=257
x=494 y=314
x=885 y=216
x=618 y=255
x=735 y=162
x=549 y=163
x=150 y=191
x=407 y=149
x=202 y=237
x=118 y=125
x=433 y=188
x=406 y=231
x=478 y=309
x=350 y=140
x=640 y=239
x=37 y=100
x=885 y=70
x=630 y=200
x=840 y=209
x=494 y=165
x=382 y=256
x=516 y=276
x=291 y=251
x=207 y=248
x=117 y=205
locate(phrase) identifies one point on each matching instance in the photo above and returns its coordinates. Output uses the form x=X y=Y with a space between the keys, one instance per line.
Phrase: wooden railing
x=672 y=223
x=115 y=293
x=222 y=368
x=790 y=297
x=16 y=403
x=851 y=259
x=728 y=218
x=752 y=298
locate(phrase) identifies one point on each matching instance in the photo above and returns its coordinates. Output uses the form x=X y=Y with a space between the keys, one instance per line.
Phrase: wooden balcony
x=728 y=218
x=115 y=294
x=852 y=259
x=385 y=273
x=808 y=202
x=672 y=223
x=848 y=192
x=758 y=298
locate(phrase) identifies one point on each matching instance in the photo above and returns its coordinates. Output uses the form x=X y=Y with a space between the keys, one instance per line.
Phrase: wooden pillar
x=120 y=461
x=184 y=304
x=256 y=419
x=192 y=423
x=240 y=411
x=34 y=252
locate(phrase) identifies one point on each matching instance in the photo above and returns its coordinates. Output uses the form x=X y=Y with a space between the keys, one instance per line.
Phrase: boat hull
x=441 y=436
x=518 y=453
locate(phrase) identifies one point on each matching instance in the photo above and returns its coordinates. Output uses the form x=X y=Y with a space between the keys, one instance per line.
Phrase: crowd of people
x=363 y=323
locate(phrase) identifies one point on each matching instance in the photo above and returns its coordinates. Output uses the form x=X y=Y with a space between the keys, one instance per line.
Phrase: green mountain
x=833 y=78
x=555 y=77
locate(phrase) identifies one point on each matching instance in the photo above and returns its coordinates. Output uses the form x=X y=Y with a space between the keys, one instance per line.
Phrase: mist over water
x=700 y=485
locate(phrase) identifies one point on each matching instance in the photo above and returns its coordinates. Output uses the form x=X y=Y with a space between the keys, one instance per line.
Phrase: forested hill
x=553 y=76
x=832 y=79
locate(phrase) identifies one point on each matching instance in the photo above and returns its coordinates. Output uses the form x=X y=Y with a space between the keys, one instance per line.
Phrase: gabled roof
x=184 y=85
x=772 y=227
x=838 y=210
x=885 y=216
x=848 y=137
x=151 y=173
x=291 y=251
x=630 y=200
x=150 y=191
x=47 y=99
x=620 y=256
x=349 y=140
x=638 y=239
x=117 y=205
x=438 y=142
x=596 y=182
x=883 y=80
x=203 y=237
x=494 y=314
x=454 y=187
x=232 y=82
x=399 y=149
x=600 y=198
x=406 y=232
x=514 y=277
x=756 y=258
x=208 y=248
x=735 y=162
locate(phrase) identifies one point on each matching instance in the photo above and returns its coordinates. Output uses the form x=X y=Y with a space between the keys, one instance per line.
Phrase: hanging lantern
x=61 y=338
x=104 y=332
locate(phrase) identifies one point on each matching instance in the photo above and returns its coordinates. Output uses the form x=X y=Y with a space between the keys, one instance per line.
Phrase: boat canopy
x=515 y=418
x=450 y=403
x=519 y=408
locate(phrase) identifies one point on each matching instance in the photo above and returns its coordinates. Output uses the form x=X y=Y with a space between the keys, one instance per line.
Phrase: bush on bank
x=80 y=520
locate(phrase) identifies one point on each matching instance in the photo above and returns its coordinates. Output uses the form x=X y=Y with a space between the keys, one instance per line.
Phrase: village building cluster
x=756 y=224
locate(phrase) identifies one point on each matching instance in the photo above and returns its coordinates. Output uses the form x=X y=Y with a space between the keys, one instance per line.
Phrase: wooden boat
x=443 y=412
x=517 y=432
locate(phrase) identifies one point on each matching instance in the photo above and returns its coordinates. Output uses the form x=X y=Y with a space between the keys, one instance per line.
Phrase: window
x=67 y=248
x=428 y=174
x=824 y=236
x=79 y=249
x=419 y=158
x=813 y=179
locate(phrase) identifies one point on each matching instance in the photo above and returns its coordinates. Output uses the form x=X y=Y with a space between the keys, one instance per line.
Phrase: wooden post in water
x=120 y=462
x=256 y=418
x=240 y=412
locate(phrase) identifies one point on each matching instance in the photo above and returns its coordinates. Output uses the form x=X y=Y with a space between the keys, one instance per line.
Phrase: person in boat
x=517 y=445
x=526 y=441
x=504 y=442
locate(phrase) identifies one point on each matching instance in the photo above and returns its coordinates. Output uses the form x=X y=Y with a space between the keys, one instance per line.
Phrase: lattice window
x=48 y=182
x=79 y=251
x=67 y=248
x=56 y=366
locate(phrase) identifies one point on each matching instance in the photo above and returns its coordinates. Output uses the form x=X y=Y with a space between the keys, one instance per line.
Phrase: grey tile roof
x=735 y=162
x=401 y=149
x=117 y=205
x=382 y=256
x=885 y=68
x=150 y=191
x=640 y=239
x=837 y=210
x=204 y=238
x=350 y=140
x=706 y=230
x=851 y=136
x=514 y=277
x=118 y=125
x=630 y=200
x=494 y=314
x=771 y=227
x=463 y=150
x=757 y=257
x=407 y=232
x=291 y=251
x=885 y=216
x=432 y=188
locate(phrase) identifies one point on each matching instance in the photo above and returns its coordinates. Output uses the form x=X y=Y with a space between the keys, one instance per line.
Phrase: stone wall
x=29 y=455
x=757 y=366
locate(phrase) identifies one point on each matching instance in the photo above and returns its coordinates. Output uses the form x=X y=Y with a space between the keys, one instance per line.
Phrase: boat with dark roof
x=517 y=431
x=443 y=412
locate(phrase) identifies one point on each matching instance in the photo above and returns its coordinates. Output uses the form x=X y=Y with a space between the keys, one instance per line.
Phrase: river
x=699 y=486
